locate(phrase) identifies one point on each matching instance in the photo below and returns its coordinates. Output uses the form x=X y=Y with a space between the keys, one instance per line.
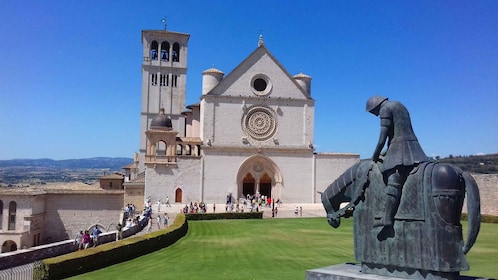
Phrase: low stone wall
x=488 y=190
x=25 y=256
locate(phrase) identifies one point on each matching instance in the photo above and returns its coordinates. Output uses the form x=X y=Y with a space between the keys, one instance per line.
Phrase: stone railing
x=25 y=256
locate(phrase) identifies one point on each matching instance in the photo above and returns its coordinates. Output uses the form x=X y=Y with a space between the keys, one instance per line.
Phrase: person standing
x=95 y=234
x=86 y=239
x=79 y=240
x=158 y=221
x=402 y=155
x=149 y=225
x=165 y=220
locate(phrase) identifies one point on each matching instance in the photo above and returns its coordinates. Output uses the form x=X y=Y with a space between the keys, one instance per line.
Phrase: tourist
x=149 y=225
x=158 y=221
x=79 y=240
x=165 y=220
x=95 y=235
x=86 y=239
x=119 y=227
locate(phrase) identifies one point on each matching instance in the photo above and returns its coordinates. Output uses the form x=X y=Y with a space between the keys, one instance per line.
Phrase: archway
x=178 y=195
x=265 y=185
x=248 y=185
x=259 y=174
x=9 y=246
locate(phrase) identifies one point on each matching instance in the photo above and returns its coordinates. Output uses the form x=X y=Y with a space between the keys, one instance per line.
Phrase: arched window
x=161 y=148
x=179 y=149
x=176 y=52
x=165 y=51
x=153 y=50
x=12 y=215
x=188 y=150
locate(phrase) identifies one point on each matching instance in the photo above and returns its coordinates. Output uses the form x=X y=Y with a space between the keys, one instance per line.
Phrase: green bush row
x=112 y=253
x=224 y=215
x=484 y=218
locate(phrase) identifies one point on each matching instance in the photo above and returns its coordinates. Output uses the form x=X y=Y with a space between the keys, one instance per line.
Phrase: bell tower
x=164 y=79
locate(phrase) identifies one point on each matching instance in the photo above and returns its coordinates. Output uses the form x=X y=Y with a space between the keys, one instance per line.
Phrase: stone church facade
x=252 y=131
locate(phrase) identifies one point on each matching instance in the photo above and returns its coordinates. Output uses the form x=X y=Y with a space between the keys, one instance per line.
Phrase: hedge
x=112 y=253
x=484 y=218
x=224 y=215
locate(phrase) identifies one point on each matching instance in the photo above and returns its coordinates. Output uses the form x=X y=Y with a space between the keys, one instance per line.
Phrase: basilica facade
x=251 y=132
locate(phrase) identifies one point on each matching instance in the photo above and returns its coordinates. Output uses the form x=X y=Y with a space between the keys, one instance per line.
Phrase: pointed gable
x=260 y=64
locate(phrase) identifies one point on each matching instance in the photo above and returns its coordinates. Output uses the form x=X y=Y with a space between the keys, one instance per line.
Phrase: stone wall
x=67 y=213
x=488 y=190
x=25 y=256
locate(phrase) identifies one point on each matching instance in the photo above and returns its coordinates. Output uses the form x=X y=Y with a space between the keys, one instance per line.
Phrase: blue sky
x=70 y=80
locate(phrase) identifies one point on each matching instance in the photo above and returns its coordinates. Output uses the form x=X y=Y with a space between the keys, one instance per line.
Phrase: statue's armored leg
x=393 y=194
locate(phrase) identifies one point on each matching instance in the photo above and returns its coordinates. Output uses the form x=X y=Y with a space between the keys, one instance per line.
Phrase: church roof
x=113 y=176
x=252 y=60
x=139 y=180
x=212 y=70
x=302 y=76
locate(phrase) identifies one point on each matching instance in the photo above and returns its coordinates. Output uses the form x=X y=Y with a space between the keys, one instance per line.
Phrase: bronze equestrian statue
x=406 y=209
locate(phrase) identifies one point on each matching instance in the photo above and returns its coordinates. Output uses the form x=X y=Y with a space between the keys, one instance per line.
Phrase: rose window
x=260 y=123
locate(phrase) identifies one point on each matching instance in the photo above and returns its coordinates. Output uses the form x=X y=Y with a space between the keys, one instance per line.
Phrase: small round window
x=261 y=85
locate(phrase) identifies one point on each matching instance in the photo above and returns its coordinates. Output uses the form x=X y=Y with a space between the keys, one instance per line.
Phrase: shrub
x=112 y=253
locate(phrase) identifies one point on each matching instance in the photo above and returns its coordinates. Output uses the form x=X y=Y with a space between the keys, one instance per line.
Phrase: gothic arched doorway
x=248 y=185
x=259 y=175
x=265 y=185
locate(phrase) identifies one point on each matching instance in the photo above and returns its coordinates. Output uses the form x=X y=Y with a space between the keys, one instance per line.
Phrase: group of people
x=195 y=207
x=84 y=239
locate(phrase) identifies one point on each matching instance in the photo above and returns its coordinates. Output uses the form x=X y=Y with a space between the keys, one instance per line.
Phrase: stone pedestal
x=349 y=271
x=343 y=272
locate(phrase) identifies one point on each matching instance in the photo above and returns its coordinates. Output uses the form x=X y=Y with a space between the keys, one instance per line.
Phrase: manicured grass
x=267 y=249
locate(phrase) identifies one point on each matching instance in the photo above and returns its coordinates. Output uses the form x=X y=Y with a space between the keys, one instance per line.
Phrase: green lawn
x=267 y=249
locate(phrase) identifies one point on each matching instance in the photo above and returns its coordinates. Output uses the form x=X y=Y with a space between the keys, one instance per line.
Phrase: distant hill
x=24 y=172
x=86 y=163
x=484 y=164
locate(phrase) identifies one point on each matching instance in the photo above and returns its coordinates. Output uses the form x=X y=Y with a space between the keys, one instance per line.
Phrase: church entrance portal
x=259 y=175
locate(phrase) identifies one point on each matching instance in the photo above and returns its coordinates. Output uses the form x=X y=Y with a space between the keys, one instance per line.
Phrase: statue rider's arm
x=384 y=128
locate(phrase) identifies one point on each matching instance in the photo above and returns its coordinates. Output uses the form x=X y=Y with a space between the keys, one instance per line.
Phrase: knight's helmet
x=374 y=101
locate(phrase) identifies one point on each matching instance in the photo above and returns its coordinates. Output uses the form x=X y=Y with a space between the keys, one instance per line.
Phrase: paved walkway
x=284 y=211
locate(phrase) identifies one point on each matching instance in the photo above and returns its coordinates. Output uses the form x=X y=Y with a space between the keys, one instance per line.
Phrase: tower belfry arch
x=259 y=174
